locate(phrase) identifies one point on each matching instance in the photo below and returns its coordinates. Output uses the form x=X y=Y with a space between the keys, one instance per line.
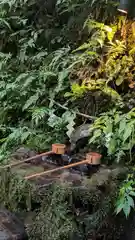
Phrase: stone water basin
x=26 y=169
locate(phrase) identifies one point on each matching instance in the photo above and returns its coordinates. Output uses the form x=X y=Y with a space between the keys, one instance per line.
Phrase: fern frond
x=31 y=101
x=38 y=114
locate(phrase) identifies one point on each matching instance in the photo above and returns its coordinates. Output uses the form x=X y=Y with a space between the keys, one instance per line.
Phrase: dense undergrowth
x=39 y=68
x=63 y=211
x=63 y=63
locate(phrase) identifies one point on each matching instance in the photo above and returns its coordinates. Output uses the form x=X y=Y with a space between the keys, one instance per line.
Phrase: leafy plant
x=55 y=220
x=115 y=131
x=37 y=66
x=52 y=53
x=16 y=193
x=125 y=201
x=105 y=61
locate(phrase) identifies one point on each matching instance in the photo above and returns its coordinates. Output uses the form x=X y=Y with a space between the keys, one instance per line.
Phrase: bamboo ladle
x=56 y=149
x=90 y=159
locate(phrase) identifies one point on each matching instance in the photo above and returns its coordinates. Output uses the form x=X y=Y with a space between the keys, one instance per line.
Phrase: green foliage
x=105 y=61
x=52 y=53
x=15 y=192
x=55 y=129
x=115 y=131
x=125 y=201
x=38 y=65
x=54 y=217
x=19 y=196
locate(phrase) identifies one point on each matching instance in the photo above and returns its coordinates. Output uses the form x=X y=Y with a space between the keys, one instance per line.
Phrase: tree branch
x=78 y=113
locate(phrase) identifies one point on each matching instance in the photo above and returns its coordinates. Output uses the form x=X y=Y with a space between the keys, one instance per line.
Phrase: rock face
x=11 y=227
x=80 y=133
x=129 y=229
x=23 y=152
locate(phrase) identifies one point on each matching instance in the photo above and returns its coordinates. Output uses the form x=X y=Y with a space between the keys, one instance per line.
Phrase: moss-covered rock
x=73 y=206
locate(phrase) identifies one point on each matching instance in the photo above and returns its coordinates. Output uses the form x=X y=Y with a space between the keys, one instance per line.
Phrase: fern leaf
x=31 y=101
x=82 y=47
x=4 y=22
x=69 y=117
x=61 y=77
x=38 y=114
x=21 y=76
x=28 y=81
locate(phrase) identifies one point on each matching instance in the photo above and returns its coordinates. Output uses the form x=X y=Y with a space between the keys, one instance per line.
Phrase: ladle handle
x=26 y=160
x=56 y=169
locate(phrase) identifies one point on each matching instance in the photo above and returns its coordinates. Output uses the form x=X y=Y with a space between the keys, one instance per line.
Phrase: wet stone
x=11 y=227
